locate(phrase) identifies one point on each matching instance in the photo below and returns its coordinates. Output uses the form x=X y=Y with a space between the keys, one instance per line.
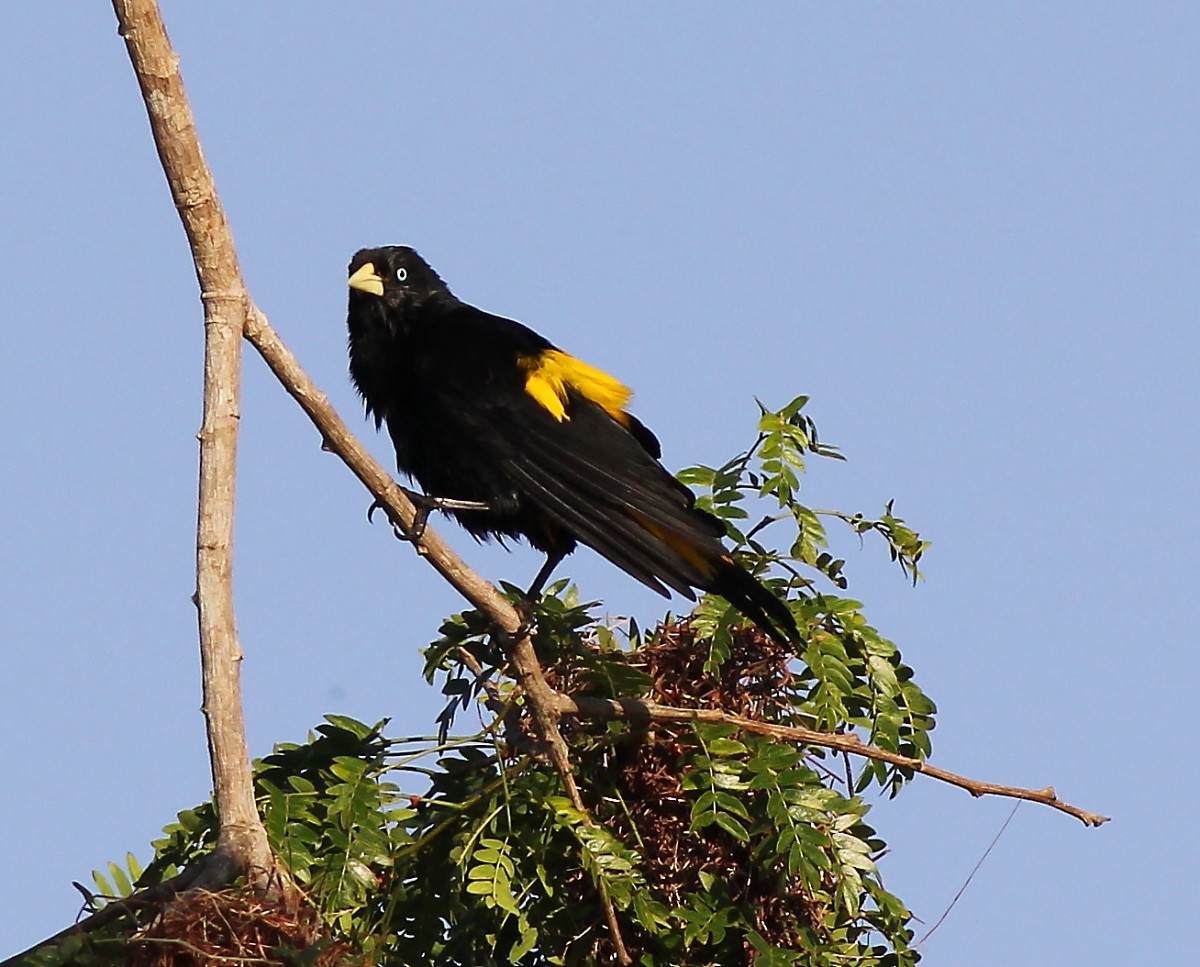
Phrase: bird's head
x=394 y=274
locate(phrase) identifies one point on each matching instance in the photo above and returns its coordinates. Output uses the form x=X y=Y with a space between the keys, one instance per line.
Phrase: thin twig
x=508 y=712
x=603 y=709
x=970 y=876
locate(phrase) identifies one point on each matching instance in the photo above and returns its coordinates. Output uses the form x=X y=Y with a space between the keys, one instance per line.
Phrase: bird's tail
x=756 y=601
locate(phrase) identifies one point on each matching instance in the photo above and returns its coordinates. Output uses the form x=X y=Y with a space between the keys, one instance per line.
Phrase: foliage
x=716 y=846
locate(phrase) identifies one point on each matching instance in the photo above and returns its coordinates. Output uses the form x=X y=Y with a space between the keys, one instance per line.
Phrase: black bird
x=527 y=441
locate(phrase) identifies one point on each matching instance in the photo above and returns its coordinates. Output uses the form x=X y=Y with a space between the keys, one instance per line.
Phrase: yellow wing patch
x=551 y=374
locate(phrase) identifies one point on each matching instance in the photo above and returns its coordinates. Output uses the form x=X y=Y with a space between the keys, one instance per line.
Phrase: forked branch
x=229 y=314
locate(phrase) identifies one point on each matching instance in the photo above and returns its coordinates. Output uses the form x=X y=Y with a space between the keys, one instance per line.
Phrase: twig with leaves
x=605 y=709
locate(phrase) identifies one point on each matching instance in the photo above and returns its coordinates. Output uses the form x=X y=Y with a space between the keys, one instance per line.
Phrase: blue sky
x=968 y=232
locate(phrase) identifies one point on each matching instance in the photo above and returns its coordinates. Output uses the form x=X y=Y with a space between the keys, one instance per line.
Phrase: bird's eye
x=401 y=274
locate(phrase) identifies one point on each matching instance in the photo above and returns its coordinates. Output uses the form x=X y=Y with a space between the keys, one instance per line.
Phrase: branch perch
x=481 y=593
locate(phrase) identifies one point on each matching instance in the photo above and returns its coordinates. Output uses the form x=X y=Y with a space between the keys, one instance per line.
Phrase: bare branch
x=604 y=709
x=242 y=842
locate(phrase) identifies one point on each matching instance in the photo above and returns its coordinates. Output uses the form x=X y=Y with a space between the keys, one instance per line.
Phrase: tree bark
x=242 y=845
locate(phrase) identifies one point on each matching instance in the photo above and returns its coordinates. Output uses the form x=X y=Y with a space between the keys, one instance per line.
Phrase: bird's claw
x=424 y=505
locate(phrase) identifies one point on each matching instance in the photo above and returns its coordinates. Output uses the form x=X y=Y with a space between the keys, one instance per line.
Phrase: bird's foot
x=526 y=608
x=425 y=505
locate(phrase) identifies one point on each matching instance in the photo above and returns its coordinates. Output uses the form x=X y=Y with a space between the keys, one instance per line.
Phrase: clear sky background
x=968 y=231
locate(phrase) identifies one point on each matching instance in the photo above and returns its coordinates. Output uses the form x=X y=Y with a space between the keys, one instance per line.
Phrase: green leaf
x=526 y=941
x=103 y=887
x=727 y=747
x=732 y=826
x=697 y=476
x=135 y=868
x=730 y=804
x=124 y=887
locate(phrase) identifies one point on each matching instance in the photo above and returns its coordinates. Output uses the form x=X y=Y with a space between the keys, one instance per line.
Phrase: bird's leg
x=553 y=560
x=527 y=607
x=425 y=505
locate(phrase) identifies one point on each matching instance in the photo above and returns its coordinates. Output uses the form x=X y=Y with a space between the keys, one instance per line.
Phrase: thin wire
x=963 y=889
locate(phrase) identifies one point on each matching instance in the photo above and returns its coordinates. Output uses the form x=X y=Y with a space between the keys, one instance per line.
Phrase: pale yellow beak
x=366 y=279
